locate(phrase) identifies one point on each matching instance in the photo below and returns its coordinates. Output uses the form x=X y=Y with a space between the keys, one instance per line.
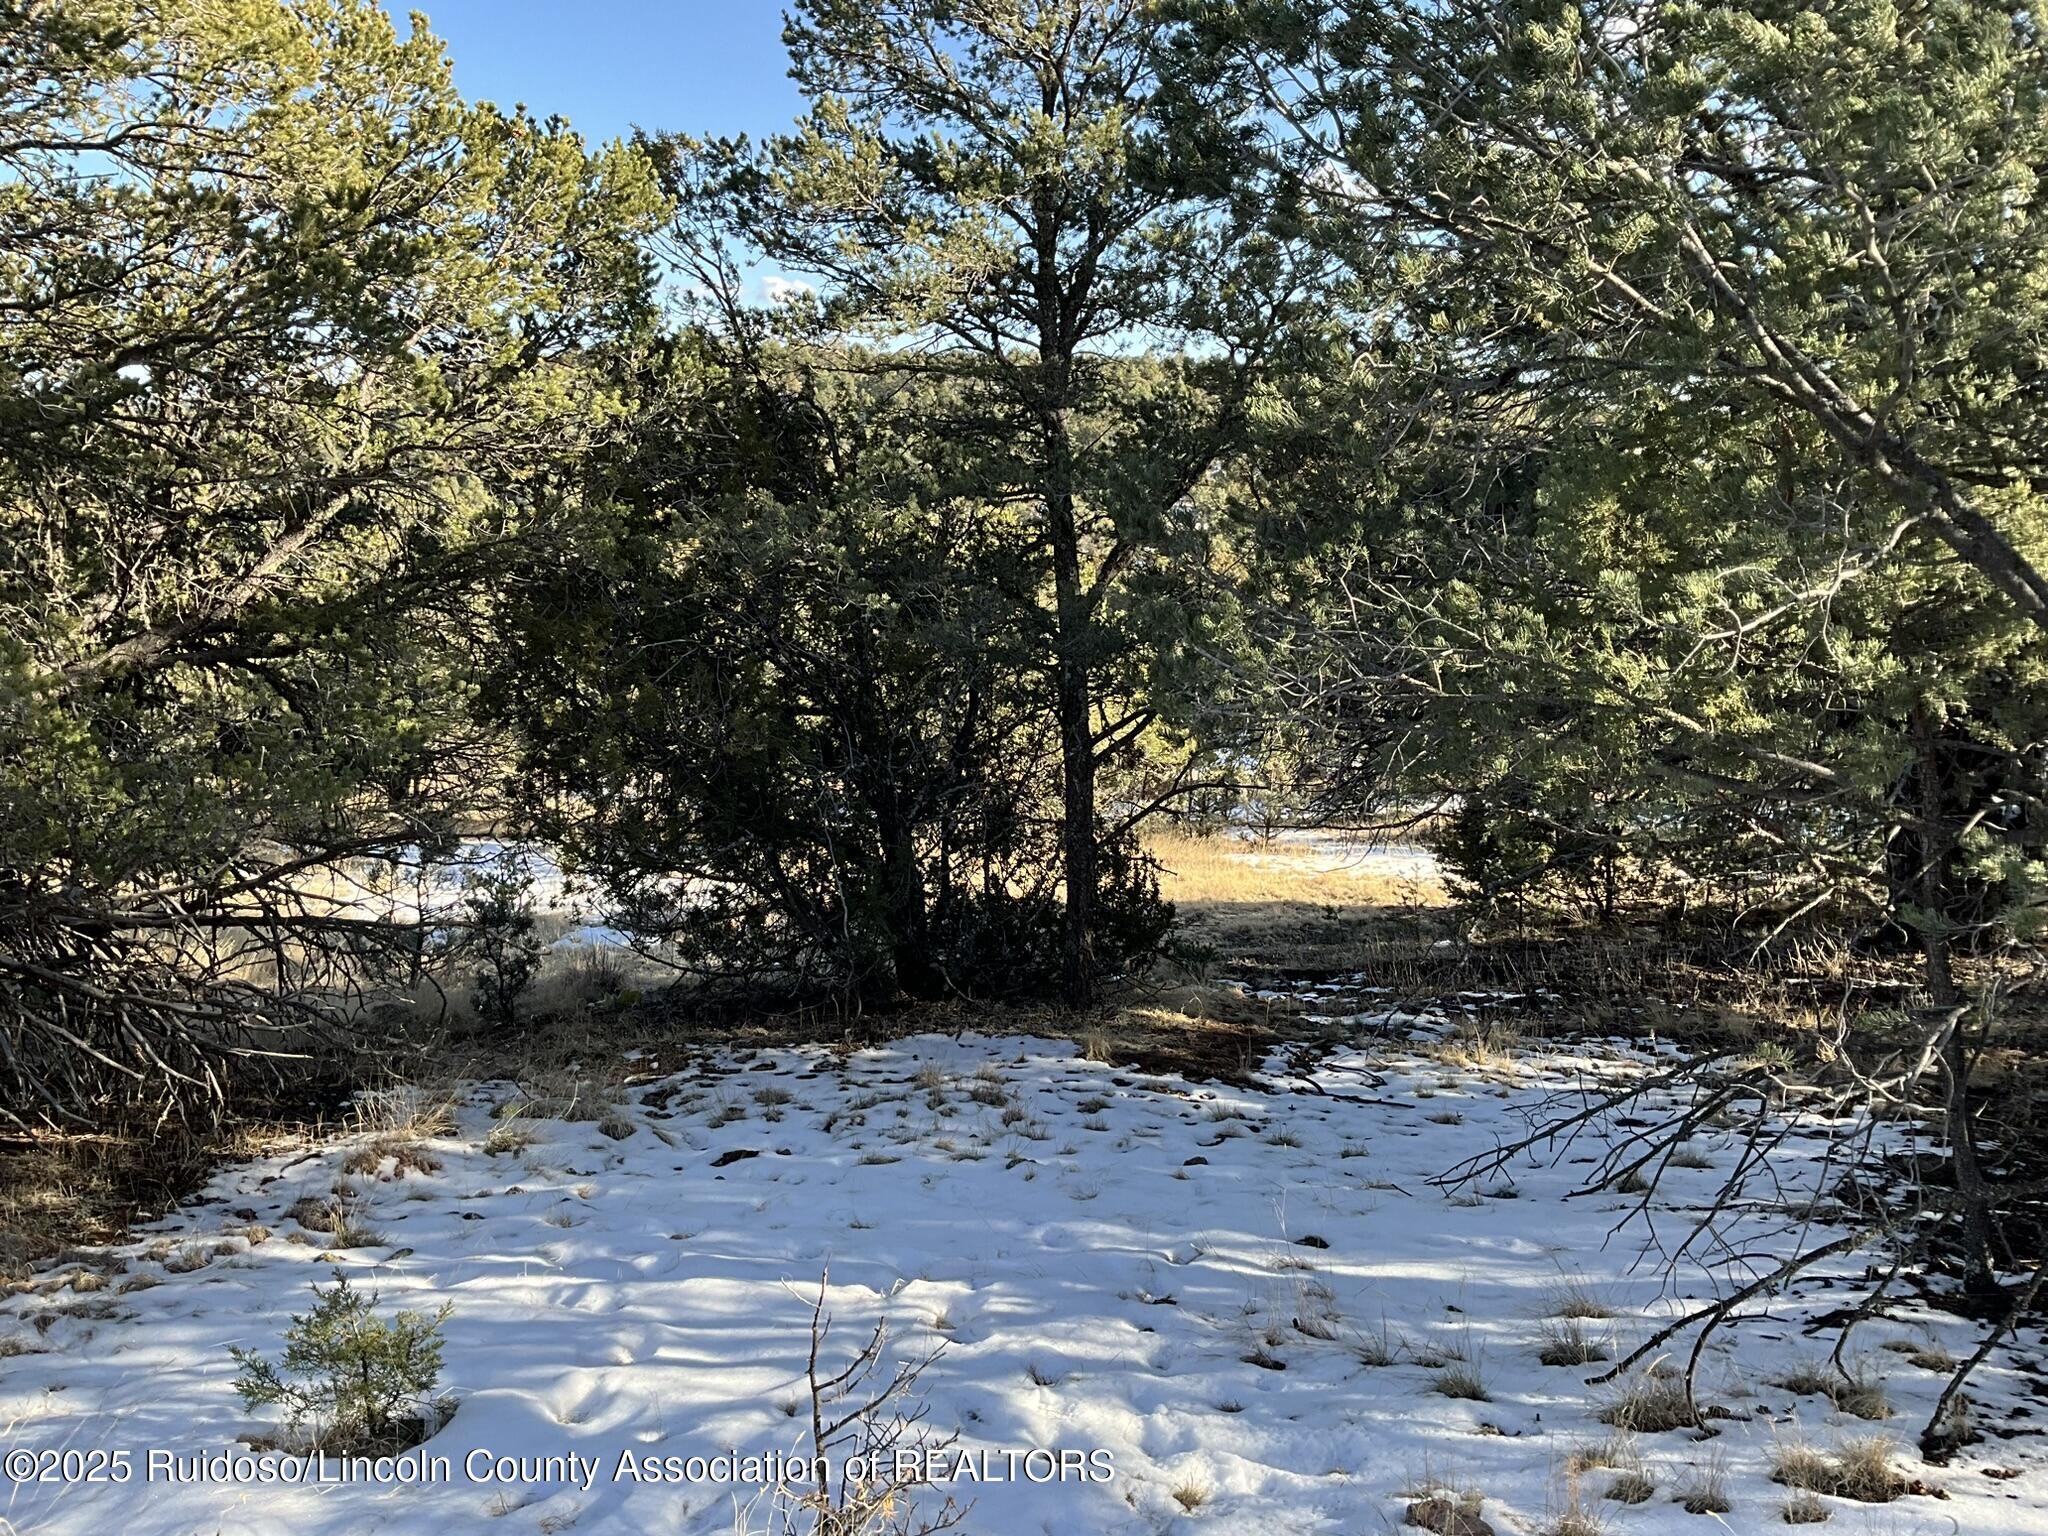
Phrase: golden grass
x=1228 y=870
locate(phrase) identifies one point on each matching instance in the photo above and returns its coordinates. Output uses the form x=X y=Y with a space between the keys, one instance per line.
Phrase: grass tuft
x=1634 y=1486
x=1705 y=1489
x=1566 y=1342
x=1575 y=1299
x=1860 y=1394
x=1461 y=1380
x=1805 y=1509
x=509 y=1136
x=1862 y=1470
x=1650 y=1404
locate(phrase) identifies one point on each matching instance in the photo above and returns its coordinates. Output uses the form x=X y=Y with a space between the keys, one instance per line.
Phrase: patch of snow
x=1188 y=1277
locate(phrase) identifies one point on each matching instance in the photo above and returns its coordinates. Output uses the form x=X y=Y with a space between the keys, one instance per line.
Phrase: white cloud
x=777 y=289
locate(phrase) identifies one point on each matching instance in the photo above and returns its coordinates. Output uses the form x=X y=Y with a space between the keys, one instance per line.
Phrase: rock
x=1311 y=1241
x=1447 y=1518
x=736 y=1154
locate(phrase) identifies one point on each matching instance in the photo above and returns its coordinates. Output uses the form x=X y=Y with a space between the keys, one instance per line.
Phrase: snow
x=1338 y=853
x=1119 y=1277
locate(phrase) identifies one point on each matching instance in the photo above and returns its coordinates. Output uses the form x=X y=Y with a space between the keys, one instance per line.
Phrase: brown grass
x=1232 y=871
x=1566 y=1342
x=1864 y=1470
x=1804 y=1509
x=1704 y=1490
x=1650 y=1404
x=1861 y=1394
x=1281 y=904
x=402 y=1155
x=62 y=1192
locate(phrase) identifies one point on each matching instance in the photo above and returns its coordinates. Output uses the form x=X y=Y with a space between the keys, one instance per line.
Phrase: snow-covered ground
x=1248 y=1298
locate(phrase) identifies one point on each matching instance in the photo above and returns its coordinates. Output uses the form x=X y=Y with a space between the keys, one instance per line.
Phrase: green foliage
x=496 y=921
x=778 y=705
x=1012 y=191
x=293 y=342
x=363 y=1382
x=1716 y=570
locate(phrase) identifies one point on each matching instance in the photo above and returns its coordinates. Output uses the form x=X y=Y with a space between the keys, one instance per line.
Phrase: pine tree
x=987 y=192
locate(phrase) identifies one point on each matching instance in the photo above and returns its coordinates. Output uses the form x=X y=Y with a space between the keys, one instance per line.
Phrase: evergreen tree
x=776 y=702
x=988 y=192
x=291 y=341
x=1723 y=551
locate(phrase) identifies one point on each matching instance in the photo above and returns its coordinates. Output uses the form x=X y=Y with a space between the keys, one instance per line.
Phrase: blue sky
x=696 y=66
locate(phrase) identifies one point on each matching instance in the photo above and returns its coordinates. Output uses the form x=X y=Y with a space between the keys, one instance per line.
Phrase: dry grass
x=1929 y=1355
x=1864 y=1470
x=402 y=1154
x=1378 y=1347
x=1601 y=1455
x=509 y=1136
x=1704 y=1490
x=1632 y=1485
x=1461 y=1380
x=1284 y=903
x=1859 y=1393
x=1441 y=1506
x=1804 y=1509
x=1575 y=1299
x=64 y=1192
x=1566 y=1342
x=1650 y=1404
x=330 y=1215
x=402 y=1112
x=1491 y=1050
x=1230 y=870
x=561 y=1095
x=192 y=1256
x=1576 y=1518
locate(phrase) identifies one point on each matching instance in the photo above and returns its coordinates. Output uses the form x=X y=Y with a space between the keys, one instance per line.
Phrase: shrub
x=363 y=1382
x=498 y=919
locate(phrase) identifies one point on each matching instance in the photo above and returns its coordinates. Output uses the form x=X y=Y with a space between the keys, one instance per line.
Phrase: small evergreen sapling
x=363 y=1381
x=498 y=912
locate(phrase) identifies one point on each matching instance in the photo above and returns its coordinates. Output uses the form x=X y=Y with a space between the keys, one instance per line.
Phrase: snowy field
x=1245 y=1306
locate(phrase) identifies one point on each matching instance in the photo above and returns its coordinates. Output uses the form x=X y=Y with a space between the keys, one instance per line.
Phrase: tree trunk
x=909 y=926
x=1936 y=837
x=1077 y=737
x=1072 y=619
